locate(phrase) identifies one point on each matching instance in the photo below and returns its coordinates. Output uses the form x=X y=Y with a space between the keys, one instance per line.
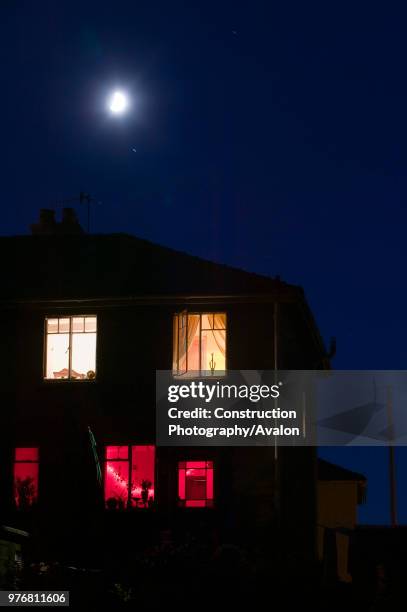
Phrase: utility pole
x=392 y=463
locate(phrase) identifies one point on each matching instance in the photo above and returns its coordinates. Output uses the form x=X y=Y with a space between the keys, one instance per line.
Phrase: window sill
x=194 y=375
x=57 y=381
x=129 y=510
x=183 y=508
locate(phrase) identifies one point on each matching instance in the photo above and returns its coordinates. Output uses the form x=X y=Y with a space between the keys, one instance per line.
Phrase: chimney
x=69 y=223
x=47 y=224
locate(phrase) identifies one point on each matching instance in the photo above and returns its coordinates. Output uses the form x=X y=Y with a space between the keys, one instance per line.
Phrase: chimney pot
x=47 y=216
x=46 y=224
x=70 y=223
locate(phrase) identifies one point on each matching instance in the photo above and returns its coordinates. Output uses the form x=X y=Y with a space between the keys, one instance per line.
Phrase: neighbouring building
x=86 y=322
x=340 y=492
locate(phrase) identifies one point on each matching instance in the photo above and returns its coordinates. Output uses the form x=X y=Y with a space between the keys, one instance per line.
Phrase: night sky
x=269 y=135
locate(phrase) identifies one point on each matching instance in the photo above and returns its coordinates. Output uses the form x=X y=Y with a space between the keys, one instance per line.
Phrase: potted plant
x=145 y=491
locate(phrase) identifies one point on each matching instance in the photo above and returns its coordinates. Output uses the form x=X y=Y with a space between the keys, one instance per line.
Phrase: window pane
x=117 y=452
x=78 y=324
x=209 y=484
x=64 y=326
x=195 y=483
x=201 y=347
x=142 y=477
x=116 y=484
x=207 y=321
x=83 y=355
x=181 y=483
x=25 y=479
x=219 y=319
x=213 y=350
x=182 y=343
x=90 y=324
x=26 y=454
x=196 y=473
x=196 y=464
x=175 y=344
x=52 y=326
x=193 y=342
x=57 y=356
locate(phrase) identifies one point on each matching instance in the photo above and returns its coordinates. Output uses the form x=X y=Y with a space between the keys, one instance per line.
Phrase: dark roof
x=331 y=471
x=117 y=265
x=120 y=267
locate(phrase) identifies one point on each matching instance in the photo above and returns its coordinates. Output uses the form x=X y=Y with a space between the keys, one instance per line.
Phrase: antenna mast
x=84 y=198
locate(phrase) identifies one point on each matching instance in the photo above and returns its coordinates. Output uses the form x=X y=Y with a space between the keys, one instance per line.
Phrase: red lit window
x=25 y=477
x=129 y=476
x=195 y=484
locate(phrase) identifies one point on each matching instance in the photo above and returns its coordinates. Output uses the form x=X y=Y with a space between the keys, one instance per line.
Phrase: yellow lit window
x=70 y=348
x=199 y=344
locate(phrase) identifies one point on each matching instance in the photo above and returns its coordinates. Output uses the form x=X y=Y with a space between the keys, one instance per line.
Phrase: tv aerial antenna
x=83 y=198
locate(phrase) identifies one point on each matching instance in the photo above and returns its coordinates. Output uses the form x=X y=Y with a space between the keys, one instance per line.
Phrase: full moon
x=118 y=102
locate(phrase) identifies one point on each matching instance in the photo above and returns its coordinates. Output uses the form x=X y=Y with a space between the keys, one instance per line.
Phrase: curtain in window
x=217 y=324
x=193 y=322
x=175 y=343
x=184 y=341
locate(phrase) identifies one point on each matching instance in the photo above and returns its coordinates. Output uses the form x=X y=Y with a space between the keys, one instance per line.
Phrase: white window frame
x=179 y=316
x=69 y=378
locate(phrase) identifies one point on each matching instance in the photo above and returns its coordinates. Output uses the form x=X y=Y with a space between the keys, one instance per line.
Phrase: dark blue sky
x=271 y=136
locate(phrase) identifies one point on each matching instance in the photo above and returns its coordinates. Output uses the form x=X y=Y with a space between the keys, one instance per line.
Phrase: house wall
x=253 y=494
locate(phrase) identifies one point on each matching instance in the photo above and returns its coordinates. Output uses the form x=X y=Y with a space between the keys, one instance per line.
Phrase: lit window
x=199 y=344
x=71 y=348
x=195 y=484
x=138 y=462
x=25 y=477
